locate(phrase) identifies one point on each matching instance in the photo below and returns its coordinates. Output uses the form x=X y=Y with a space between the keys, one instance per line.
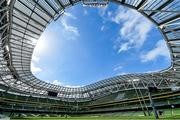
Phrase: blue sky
x=87 y=44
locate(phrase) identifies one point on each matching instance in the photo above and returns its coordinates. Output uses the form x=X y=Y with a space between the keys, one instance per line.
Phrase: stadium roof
x=23 y=21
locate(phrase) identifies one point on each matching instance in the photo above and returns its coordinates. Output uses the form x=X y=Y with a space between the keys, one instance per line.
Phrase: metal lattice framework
x=23 y=21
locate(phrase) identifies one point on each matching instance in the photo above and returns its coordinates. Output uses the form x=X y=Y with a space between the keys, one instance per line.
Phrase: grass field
x=113 y=116
x=176 y=117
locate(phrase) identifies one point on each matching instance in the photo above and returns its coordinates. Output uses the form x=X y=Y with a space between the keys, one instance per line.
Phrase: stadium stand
x=21 y=24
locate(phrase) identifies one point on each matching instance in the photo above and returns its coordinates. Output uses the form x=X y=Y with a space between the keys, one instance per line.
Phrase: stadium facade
x=23 y=21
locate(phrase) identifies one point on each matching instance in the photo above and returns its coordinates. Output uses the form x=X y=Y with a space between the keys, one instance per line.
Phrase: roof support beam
x=162 y=6
x=141 y=3
x=32 y=10
x=155 y=11
x=123 y=1
x=172 y=30
x=60 y=4
x=48 y=2
x=2 y=17
x=170 y=19
x=71 y=2
x=2 y=2
x=46 y=12
x=24 y=33
x=28 y=23
x=26 y=28
x=36 y=21
x=5 y=25
x=4 y=9
x=173 y=40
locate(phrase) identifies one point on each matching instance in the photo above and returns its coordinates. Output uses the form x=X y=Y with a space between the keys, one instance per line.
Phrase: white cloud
x=134 y=28
x=73 y=86
x=102 y=28
x=70 y=15
x=70 y=28
x=122 y=73
x=42 y=47
x=102 y=11
x=159 y=50
x=85 y=12
x=118 y=68
x=35 y=58
x=35 y=69
x=152 y=71
x=123 y=47
x=72 y=31
x=56 y=82
x=109 y=13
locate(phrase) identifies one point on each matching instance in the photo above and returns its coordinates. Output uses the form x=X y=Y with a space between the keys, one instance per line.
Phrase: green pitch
x=169 y=114
x=176 y=117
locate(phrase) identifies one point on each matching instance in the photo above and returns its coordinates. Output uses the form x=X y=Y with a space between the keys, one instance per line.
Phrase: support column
x=153 y=105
